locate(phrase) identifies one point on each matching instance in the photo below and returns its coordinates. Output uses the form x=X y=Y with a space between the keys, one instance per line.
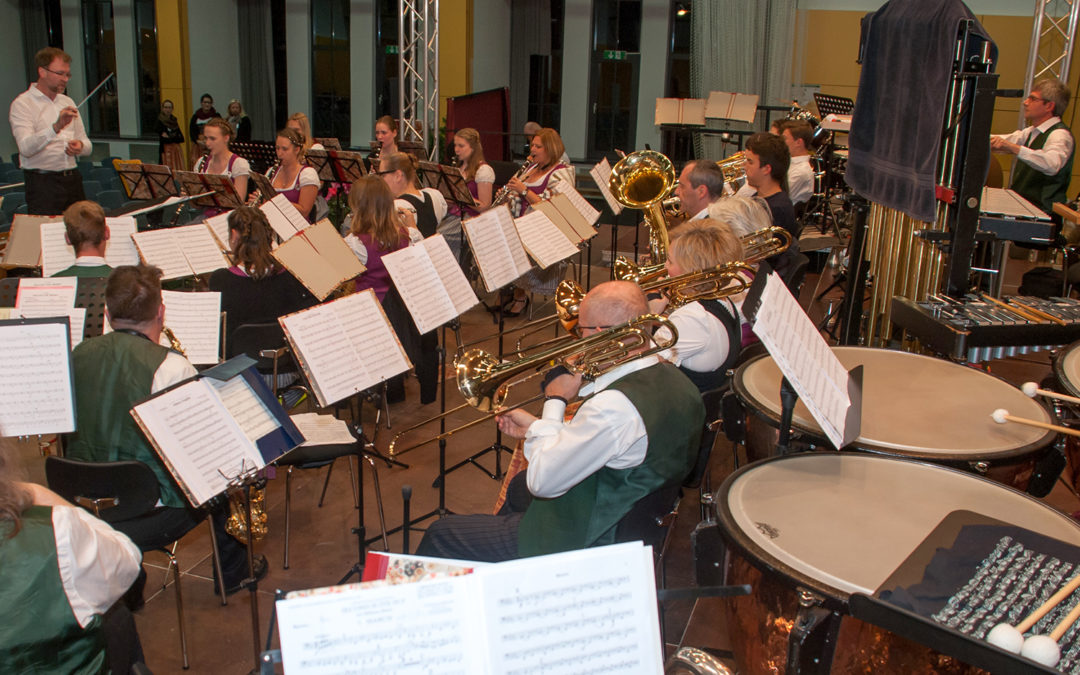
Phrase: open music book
x=58 y=255
x=188 y=250
x=570 y=215
x=219 y=226
x=284 y=219
x=542 y=238
x=430 y=282
x=319 y=258
x=39 y=298
x=591 y=610
x=24 y=240
x=195 y=320
x=680 y=111
x=345 y=346
x=36 y=361
x=497 y=247
x=209 y=428
x=601 y=175
x=589 y=214
x=728 y=105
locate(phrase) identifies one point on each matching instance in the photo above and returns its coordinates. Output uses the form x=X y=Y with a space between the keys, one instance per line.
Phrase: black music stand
x=827 y=104
x=414 y=148
x=260 y=154
x=147 y=181
x=89 y=294
x=327 y=143
x=448 y=181
x=214 y=191
x=263 y=186
x=337 y=166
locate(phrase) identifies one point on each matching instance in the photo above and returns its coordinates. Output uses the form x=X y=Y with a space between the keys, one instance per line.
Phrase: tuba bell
x=643 y=180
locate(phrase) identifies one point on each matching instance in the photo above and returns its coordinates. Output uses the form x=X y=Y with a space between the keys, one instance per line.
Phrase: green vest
x=39 y=633
x=587 y=515
x=89 y=271
x=1038 y=188
x=112 y=373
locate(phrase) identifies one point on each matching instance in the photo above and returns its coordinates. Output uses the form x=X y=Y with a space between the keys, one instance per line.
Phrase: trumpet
x=503 y=195
x=485 y=381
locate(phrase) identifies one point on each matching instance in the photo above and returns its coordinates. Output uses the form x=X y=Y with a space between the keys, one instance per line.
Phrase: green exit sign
x=391 y=49
x=614 y=55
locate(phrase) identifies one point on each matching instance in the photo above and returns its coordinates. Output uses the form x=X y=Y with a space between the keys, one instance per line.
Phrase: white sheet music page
x=56 y=253
x=76 y=318
x=420 y=287
x=449 y=271
x=601 y=175
x=424 y=627
x=36 y=363
x=803 y=357
x=245 y=406
x=197 y=438
x=120 y=249
x=374 y=341
x=582 y=205
x=160 y=248
x=202 y=252
x=486 y=233
x=544 y=241
x=219 y=225
x=195 y=319
x=41 y=296
x=284 y=219
x=322 y=429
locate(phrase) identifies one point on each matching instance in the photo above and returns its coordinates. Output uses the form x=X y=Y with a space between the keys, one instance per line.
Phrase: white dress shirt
x=703 y=341
x=606 y=431
x=32 y=116
x=97 y=563
x=1054 y=153
x=800 y=179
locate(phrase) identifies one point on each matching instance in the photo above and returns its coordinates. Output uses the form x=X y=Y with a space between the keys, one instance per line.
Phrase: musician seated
x=61 y=570
x=291 y=177
x=743 y=215
x=478 y=174
x=86 y=231
x=701 y=183
x=710 y=332
x=767 y=162
x=636 y=432
x=798 y=135
x=111 y=374
x=422 y=209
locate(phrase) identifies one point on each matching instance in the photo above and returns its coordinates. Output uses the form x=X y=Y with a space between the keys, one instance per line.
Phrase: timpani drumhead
x=1067 y=369
x=914 y=405
x=840 y=522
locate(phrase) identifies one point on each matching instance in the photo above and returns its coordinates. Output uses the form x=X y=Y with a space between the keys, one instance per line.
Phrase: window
x=330 y=69
x=102 y=116
x=146 y=53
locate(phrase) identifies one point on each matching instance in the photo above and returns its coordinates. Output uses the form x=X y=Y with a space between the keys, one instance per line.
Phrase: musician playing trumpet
x=710 y=331
x=636 y=433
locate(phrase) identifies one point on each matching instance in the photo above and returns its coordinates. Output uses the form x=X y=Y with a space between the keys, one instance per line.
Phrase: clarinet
x=504 y=192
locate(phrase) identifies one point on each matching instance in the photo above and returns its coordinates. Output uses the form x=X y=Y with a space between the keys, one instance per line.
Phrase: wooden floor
x=323 y=548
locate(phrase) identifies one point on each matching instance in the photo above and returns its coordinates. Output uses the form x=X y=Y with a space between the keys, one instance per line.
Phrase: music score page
x=497 y=247
x=431 y=284
x=543 y=239
x=36 y=362
x=195 y=320
x=601 y=175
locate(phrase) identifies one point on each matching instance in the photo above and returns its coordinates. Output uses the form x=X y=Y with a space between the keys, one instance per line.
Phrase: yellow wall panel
x=455 y=50
x=174 y=66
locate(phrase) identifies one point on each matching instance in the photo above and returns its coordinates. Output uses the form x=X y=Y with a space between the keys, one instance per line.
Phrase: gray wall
x=491 y=45
x=13 y=74
x=215 y=56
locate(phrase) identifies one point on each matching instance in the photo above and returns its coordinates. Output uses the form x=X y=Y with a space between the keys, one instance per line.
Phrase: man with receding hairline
x=700 y=183
x=635 y=433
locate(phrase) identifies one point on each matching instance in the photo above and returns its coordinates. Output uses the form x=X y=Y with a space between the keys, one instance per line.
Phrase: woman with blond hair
x=222 y=161
x=478 y=174
x=291 y=177
x=299 y=122
x=423 y=209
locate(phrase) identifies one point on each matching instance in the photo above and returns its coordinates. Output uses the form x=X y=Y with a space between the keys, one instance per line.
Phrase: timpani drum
x=807 y=530
x=1067 y=373
x=913 y=406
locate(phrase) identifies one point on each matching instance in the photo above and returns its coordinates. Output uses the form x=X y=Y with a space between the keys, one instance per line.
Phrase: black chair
x=651 y=520
x=118 y=493
x=110 y=199
x=796 y=273
x=699 y=476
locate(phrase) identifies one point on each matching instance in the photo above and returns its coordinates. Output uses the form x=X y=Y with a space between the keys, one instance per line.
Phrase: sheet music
x=120 y=249
x=199 y=248
x=322 y=429
x=346 y=345
x=36 y=363
x=582 y=205
x=76 y=318
x=24 y=241
x=219 y=225
x=420 y=287
x=496 y=246
x=544 y=241
x=46 y=295
x=245 y=406
x=284 y=219
x=198 y=439
x=159 y=248
x=319 y=258
x=804 y=357
x=56 y=253
x=601 y=175
x=449 y=271
x=195 y=319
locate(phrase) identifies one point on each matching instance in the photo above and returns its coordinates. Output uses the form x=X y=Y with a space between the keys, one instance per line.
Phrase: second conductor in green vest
x=1044 y=150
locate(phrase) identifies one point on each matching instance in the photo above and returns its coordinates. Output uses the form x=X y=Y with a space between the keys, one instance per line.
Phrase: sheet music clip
x=852 y=422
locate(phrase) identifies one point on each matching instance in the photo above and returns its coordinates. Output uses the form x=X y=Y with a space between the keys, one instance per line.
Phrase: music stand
x=263 y=186
x=146 y=181
x=337 y=166
x=260 y=154
x=827 y=104
x=448 y=181
x=328 y=143
x=213 y=190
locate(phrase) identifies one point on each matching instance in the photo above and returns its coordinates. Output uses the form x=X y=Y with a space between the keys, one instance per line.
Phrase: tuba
x=693 y=661
x=643 y=180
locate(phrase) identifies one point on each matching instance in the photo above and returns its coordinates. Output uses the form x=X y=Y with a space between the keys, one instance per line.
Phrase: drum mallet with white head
x=1031 y=390
x=1011 y=638
x=1001 y=416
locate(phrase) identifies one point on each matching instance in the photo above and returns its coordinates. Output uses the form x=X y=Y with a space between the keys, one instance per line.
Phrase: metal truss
x=418 y=72
x=1052 y=35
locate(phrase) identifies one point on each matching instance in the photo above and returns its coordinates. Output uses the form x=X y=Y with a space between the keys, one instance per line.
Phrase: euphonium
x=765 y=243
x=734 y=169
x=236 y=525
x=642 y=180
x=503 y=195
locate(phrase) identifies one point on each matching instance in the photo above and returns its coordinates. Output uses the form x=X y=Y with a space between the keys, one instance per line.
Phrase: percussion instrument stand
x=788 y=399
x=851 y=310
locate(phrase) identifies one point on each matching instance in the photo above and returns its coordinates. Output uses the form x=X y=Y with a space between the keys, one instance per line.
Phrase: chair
x=85 y=168
x=91 y=188
x=107 y=177
x=795 y=274
x=13 y=176
x=12 y=201
x=110 y=199
x=118 y=493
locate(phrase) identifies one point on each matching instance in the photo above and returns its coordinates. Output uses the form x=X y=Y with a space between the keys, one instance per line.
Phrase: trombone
x=485 y=381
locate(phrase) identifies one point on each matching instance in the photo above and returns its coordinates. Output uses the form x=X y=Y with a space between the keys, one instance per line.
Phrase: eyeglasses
x=1035 y=98
x=383 y=173
x=66 y=75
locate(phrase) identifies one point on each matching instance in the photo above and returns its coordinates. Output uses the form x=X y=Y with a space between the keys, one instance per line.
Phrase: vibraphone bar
x=974 y=329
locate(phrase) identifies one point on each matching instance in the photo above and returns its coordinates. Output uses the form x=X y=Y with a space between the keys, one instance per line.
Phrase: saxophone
x=174 y=343
x=236 y=526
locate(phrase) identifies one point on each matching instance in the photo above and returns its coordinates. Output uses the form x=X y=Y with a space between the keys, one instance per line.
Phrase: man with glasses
x=1044 y=150
x=636 y=432
x=50 y=135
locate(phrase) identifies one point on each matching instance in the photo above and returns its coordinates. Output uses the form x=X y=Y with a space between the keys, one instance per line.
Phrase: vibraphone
x=975 y=329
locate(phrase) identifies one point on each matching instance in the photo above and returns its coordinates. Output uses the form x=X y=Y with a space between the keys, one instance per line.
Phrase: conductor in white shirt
x=50 y=135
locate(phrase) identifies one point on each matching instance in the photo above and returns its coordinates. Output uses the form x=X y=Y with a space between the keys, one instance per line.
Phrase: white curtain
x=257 y=67
x=743 y=46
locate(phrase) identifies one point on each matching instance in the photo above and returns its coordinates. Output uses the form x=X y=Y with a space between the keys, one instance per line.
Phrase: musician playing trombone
x=710 y=331
x=636 y=432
